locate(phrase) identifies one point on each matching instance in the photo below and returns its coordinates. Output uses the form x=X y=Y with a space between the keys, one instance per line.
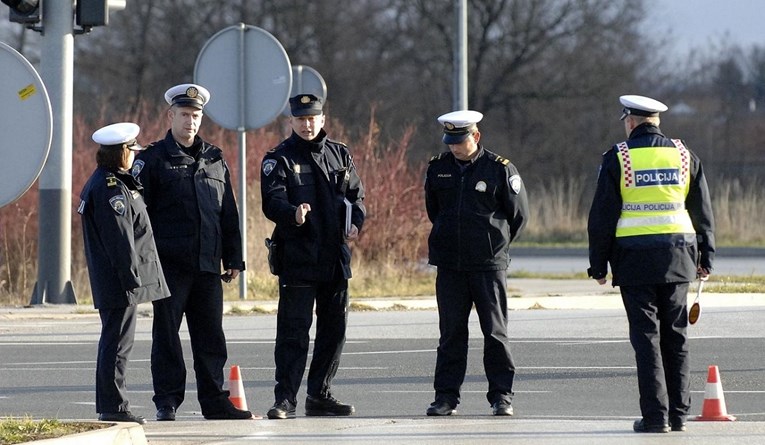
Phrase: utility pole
x=460 y=96
x=54 y=247
x=53 y=19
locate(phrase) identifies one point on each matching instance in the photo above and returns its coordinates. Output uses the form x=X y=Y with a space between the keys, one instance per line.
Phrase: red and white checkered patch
x=624 y=150
x=685 y=160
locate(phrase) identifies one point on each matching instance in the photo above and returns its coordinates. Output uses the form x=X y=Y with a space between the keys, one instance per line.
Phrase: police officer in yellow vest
x=651 y=219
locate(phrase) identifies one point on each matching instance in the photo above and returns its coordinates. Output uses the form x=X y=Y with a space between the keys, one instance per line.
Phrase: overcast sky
x=698 y=23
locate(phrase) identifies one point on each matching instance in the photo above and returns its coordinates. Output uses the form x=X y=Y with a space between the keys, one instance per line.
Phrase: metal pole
x=298 y=73
x=54 y=283
x=460 y=97
x=242 y=160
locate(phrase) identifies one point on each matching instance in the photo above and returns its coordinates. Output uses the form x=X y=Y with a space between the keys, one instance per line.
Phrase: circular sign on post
x=248 y=74
x=306 y=80
x=26 y=123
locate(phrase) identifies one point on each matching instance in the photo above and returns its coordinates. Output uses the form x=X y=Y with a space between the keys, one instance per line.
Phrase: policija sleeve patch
x=118 y=204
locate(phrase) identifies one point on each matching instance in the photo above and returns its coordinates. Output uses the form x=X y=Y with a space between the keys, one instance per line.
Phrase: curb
x=550 y=301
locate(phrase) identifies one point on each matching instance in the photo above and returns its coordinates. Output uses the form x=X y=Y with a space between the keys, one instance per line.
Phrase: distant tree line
x=546 y=73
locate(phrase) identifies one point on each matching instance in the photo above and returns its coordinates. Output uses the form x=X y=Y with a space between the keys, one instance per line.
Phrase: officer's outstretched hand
x=601 y=281
x=301 y=212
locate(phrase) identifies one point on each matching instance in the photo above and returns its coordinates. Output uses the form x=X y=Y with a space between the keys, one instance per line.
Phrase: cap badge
x=449 y=126
x=480 y=186
x=192 y=92
x=305 y=99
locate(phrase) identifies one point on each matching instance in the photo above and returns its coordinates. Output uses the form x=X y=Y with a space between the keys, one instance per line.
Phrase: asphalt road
x=738 y=261
x=571 y=364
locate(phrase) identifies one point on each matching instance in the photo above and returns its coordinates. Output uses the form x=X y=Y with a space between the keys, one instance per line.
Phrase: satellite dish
x=248 y=74
x=26 y=123
x=306 y=80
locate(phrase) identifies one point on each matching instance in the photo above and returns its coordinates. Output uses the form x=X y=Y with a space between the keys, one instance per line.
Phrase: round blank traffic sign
x=248 y=74
x=26 y=123
x=306 y=80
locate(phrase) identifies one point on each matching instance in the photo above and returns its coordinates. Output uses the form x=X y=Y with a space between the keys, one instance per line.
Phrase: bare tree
x=545 y=72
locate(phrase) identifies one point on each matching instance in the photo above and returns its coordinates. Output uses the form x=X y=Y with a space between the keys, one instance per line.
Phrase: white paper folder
x=348 y=211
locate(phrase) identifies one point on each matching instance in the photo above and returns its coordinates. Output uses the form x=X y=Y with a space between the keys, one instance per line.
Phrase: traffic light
x=28 y=12
x=96 y=12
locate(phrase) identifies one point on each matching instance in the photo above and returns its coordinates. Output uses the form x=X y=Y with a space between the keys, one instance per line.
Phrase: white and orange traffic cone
x=236 y=388
x=714 y=399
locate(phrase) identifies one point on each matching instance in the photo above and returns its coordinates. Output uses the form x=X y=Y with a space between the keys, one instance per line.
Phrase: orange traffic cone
x=236 y=388
x=714 y=399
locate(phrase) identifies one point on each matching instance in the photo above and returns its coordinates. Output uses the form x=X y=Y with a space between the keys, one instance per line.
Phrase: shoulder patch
x=268 y=166
x=515 y=183
x=118 y=204
x=138 y=165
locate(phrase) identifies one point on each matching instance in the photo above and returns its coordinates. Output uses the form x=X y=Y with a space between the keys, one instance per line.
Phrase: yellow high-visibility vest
x=654 y=184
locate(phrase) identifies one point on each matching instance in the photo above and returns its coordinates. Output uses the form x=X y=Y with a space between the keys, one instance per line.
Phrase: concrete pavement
x=524 y=294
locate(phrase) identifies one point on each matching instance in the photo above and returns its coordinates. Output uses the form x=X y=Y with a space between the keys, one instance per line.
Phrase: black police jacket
x=648 y=259
x=321 y=173
x=122 y=258
x=191 y=204
x=477 y=210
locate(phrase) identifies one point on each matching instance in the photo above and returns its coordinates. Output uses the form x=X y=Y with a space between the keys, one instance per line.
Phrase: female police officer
x=122 y=262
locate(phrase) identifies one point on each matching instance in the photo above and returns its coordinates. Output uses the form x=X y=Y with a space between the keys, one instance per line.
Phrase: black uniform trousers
x=114 y=346
x=658 y=321
x=456 y=293
x=198 y=295
x=293 y=322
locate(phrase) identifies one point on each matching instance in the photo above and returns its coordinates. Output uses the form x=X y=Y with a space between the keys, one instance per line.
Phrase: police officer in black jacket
x=309 y=186
x=478 y=206
x=651 y=219
x=123 y=263
x=191 y=203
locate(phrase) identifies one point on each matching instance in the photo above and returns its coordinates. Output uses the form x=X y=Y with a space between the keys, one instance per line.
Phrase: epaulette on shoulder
x=502 y=160
x=337 y=142
x=277 y=148
x=436 y=157
x=111 y=180
x=614 y=148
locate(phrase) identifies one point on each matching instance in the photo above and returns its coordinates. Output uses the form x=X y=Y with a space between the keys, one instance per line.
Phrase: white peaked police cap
x=117 y=135
x=640 y=106
x=458 y=125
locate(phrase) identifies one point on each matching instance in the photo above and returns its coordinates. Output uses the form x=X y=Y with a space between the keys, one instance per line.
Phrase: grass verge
x=15 y=430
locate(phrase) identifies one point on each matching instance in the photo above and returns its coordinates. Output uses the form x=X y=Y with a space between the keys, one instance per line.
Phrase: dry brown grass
x=389 y=255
